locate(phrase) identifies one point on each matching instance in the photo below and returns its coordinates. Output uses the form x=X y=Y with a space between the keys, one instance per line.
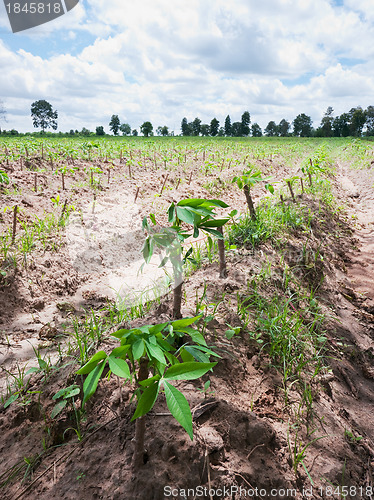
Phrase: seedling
x=246 y=181
x=196 y=212
x=160 y=349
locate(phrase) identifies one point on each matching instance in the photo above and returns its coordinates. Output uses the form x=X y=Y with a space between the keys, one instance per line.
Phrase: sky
x=160 y=61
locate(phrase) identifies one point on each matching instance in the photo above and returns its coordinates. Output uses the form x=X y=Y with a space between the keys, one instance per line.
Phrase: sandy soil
x=243 y=438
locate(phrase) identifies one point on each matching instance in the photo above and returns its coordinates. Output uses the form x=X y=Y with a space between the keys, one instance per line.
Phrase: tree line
x=356 y=122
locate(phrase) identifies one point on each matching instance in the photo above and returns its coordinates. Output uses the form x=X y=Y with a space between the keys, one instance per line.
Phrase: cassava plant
x=196 y=212
x=200 y=214
x=246 y=181
x=152 y=356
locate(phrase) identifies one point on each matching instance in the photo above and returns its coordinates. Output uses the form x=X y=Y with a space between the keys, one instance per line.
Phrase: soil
x=243 y=426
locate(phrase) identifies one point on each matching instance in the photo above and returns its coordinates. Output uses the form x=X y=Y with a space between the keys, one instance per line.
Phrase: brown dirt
x=243 y=439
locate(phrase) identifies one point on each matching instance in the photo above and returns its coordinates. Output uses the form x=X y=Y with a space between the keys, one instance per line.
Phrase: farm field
x=289 y=402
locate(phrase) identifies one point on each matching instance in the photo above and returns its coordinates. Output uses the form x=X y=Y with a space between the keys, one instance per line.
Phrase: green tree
x=114 y=124
x=256 y=130
x=164 y=131
x=246 y=120
x=134 y=132
x=284 y=127
x=125 y=129
x=236 y=129
x=196 y=126
x=370 y=120
x=204 y=129
x=185 y=127
x=43 y=115
x=227 y=126
x=302 y=126
x=221 y=132
x=271 y=129
x=358 y=120
x=326 y=123
x=146 y=129
x=341 y=125
x=100 y=130
x=214 y=127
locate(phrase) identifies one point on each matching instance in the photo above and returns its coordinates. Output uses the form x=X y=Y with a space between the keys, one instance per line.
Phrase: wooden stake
x=178 y=183
x=130 y=171
x=163 y=185
x=108 y=175
x=42 y=152
x=136 y=194
x=27 y=151
x=291 y=191
x=302 y=185
x=189 y=181
x=36 y=182
x=63 y=181
x=21 y=163
x=14 y=223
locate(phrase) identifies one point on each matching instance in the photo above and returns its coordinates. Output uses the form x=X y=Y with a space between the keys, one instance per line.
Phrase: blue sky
x=160 y=61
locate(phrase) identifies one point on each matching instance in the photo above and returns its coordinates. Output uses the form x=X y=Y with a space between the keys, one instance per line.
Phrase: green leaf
x=181 y=323
x=67 y=392
x=186 y=356
x=120 y=333
x=186 y=215
x=164 y=261
x=10 y=400
x=42 y=364
x=188 y=371
x=119 y=367
x=147 y=249
x=32 y=370
x=195 y=335
x=179 y=407
x=215 y=233
x=146 y=400
x=171 y=213
x=215 y=222
x=90 y=384
x=155 y=352
x=138 y=349
x=120 y=352
x=58 y=408
x=92 y=363
x=149 y=381
x=153 y=218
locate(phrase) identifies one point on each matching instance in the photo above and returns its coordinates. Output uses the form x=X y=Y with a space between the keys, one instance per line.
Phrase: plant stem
x=138 y=456
x=291 y=191
x=14 y=223
x=222 y=259
x=249 y=201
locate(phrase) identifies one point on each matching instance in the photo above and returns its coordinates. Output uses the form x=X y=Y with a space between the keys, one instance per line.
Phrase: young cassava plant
x=246 y=181
x=198 y=213
x=153 y=356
